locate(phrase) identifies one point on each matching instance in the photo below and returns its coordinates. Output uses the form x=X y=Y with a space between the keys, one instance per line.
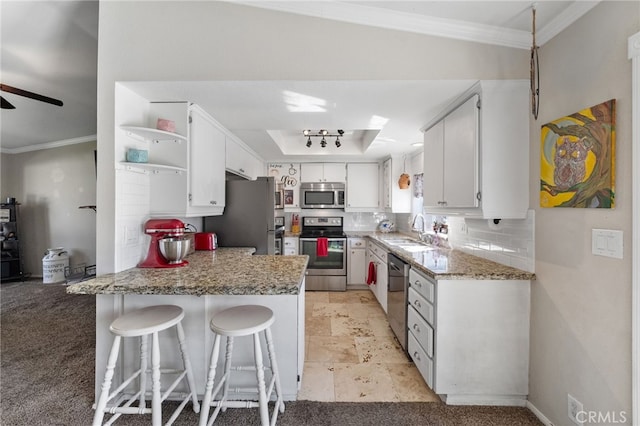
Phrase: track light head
x=338 y=142
x=309 y=142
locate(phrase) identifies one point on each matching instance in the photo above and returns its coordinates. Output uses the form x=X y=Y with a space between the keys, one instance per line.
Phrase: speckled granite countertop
x=224 y=271
x=448 y=264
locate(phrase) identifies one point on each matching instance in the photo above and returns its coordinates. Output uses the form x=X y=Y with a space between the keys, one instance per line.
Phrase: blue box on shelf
x=137 y=155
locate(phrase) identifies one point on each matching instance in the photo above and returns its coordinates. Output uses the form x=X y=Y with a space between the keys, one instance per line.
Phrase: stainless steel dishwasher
x=398 y=284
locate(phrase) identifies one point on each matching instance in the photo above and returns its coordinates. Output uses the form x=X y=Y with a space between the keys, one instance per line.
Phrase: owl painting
x=577 y=159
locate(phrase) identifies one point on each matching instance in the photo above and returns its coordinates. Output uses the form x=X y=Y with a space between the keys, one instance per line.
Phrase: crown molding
x=439 y=27
x=563 y=20
x=48 y=145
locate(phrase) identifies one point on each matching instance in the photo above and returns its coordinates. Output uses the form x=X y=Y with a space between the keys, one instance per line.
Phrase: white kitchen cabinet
x=322 y=172
x=482 y=325
x=241 y=161
x=291 y=246
x=356 y=261
x=199 y=190
x=394 y=199
x=452 y=164
x=476 y=153
x=363 y=188
x=378 y=255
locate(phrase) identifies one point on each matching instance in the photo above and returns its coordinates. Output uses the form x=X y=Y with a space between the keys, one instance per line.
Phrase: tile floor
x=352 y=355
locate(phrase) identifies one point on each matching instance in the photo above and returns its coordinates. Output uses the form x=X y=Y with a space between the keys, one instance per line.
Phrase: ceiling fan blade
x=30 y=95
x=5 y=104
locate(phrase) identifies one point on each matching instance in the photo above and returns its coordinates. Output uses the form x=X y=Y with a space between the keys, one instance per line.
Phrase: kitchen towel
x=322 y=247
x=371 y=277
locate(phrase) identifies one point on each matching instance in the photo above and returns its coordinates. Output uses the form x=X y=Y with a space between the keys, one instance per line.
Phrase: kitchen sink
x=414 y=247
x=409 y=244
x=402 y=241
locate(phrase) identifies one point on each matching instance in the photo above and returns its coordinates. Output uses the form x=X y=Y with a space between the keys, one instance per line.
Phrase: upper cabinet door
x=460 y=160
x=207 y=161
x=433 y=172
x=312 y=172
x=362 y=187
x=335 y=172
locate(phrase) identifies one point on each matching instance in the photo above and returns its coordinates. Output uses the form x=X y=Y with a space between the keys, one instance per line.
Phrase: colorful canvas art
x=577 y=160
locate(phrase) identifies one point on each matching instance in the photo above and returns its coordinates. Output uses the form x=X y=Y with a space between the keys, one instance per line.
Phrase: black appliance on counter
x=249 y=216
x=328 y=272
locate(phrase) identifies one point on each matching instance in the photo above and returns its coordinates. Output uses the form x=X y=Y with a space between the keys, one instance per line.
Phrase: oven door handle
x=328 y=239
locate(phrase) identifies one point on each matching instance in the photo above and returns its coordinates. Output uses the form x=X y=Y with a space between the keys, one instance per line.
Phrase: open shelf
x=154 y=134
x=152 y=167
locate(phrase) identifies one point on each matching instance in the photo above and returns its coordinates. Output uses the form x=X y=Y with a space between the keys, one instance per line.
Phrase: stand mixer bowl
x=174 y=249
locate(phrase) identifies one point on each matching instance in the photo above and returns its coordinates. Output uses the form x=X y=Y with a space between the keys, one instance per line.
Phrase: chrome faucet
x=421 y=231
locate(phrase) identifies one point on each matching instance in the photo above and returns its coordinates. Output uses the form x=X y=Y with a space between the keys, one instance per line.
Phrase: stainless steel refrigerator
x=249 y=216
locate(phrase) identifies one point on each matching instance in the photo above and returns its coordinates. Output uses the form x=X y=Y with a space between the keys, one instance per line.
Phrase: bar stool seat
x=245 y=320
x=142 y=323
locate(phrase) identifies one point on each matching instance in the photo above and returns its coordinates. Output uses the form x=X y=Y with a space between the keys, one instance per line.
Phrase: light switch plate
x=607 y=242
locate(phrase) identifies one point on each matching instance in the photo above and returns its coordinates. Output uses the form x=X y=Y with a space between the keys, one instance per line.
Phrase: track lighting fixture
x=323 y=133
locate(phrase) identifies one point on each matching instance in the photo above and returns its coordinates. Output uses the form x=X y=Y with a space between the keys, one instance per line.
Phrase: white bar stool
x=142 y=323
x=239 y=321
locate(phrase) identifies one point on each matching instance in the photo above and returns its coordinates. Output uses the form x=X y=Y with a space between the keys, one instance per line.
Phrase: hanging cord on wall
x=534 y=71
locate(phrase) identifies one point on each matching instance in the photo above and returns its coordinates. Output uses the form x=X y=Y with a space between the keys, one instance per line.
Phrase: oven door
x=335 y=263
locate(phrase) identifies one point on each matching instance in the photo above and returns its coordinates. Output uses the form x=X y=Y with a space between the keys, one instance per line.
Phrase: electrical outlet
x=130 y=236
x=573 y=408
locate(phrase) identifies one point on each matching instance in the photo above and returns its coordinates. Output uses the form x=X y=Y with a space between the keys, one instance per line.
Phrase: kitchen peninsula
x=213 y=281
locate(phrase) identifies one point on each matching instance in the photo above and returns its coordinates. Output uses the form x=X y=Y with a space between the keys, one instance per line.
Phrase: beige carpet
x=46 y=375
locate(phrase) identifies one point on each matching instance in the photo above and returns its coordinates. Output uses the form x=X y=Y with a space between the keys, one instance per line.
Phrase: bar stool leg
x=206 y=400
x=227 y=370
x=274 y=370
x=143 y=371
x=262 y=394
x=156 y=400
x=187 y=366
x=106 y=384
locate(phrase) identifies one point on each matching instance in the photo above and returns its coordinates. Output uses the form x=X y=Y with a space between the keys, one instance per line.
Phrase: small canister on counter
x=206 y=241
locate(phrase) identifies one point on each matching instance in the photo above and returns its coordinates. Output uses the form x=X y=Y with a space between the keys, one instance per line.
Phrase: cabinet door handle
x=416 y=328
x=213 y=202
x=418 y=284
x=416 y=355
x=417 y=303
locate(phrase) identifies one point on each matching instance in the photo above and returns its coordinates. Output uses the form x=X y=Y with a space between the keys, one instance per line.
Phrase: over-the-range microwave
x=322 y=195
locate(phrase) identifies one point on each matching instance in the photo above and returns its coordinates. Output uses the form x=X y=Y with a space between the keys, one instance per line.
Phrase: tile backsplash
x=510 y=242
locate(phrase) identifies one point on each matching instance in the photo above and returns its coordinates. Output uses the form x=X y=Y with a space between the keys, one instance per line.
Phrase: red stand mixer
x=161 y=229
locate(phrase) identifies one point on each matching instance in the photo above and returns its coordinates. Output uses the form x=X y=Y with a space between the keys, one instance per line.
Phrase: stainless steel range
x=324 y=241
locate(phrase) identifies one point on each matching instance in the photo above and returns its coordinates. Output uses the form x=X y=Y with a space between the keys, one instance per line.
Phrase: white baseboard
x=539 y=414
x=500 y=400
